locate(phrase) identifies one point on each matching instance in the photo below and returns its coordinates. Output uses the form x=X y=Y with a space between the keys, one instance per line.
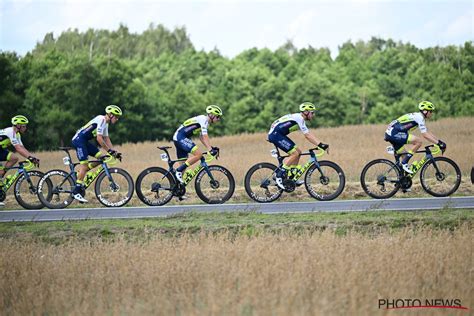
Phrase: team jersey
x=96 y=126
x=193 y=126
x=8 y=136
x=408 y=123
x=289 y=123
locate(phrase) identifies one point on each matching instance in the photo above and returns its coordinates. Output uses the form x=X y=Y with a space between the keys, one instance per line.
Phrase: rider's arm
x=205 y=141
x=104 y=142
x=312 y=139
x=22 y=151
x=430 y=137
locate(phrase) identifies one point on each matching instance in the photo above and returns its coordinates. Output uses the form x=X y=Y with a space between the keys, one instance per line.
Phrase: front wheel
x=260 y=183
x=215 y=190
x=116 y=190
x=55 y=189
x=155 y=186
x=325 y=182
x=26 y=190
x=380 y=179
x=440 y=177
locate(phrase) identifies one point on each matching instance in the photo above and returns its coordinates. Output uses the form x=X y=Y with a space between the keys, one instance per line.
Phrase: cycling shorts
x=84 y=149
x=397 y=138
x=184 y=146
x=5 y=154
x=282 y=142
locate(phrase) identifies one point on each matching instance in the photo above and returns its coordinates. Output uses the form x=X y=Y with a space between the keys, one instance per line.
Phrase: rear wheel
x=155 y=186
x=55 y=189
x=115 y=191
x=260 y=183
x=440 y=177
x=215 y=190
x=380 y=179
x=26 y=190
x=326 y=182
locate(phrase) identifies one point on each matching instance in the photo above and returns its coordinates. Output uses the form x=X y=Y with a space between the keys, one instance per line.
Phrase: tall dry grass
x=350 y=146
x=318 y=274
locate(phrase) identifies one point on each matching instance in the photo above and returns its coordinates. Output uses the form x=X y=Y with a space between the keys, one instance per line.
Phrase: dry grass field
x=350 y=146
x=268 y=274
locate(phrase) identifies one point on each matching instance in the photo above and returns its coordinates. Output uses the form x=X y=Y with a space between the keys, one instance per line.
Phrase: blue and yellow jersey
x=96 y=126
x=289 y=123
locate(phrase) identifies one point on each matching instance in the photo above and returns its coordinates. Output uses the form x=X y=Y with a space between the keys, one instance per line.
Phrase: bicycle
x=439 y=176
x=214 y=184
x=324 y=180
x=25 y=189
x=113 y=186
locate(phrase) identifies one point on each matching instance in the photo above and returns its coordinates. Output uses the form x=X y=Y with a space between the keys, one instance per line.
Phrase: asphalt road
x=289 y=207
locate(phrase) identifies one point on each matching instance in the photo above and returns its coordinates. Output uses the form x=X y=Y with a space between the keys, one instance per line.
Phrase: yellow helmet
x=214 y=109
x=113 y=109
x=307 y=106
x=19 y=119
x=426 y=106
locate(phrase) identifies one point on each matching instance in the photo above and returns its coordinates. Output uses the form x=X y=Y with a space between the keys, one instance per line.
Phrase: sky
x=234 y=26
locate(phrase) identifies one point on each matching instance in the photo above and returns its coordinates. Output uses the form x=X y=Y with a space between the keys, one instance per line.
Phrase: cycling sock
x=407 y=157
x=182 y=167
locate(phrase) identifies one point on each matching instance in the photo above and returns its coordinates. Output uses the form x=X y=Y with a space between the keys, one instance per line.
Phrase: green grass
x=244 y=223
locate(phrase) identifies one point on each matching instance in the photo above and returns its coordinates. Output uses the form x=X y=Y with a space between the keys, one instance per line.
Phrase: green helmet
x=426 y=106
x=19 y=119
x=113 y=109
x=214 y=109
x=307 y=106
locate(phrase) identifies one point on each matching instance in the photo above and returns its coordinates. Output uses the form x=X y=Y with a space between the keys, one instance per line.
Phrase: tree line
x=159 y=79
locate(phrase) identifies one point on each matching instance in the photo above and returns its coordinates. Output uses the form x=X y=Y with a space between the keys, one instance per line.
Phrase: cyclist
x=278 y=136
x=12 y=136
x=398 y=133
x=98 y=127
x=184 y=145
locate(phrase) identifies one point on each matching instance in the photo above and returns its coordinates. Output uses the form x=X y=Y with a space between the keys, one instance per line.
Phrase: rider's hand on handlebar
x=214 y=151
x=115 y=154
x=324 y=147
x=34 y=160
x=442 y=145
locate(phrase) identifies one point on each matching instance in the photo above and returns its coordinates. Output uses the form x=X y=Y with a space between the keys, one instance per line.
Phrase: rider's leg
x=416 y=144
x=183 y=147
x=11 y=160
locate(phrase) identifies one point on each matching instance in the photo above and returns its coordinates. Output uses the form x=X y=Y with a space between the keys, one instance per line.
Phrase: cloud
x=462 y=26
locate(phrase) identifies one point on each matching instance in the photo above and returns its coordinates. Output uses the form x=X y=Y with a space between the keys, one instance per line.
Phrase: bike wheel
x=380 y=179
x=55 y=189
x=155 y=186
x=114 y=192
x=26 y=190
x=260 y=183
x=326 y=182
x=217 y=190
x=440 y=177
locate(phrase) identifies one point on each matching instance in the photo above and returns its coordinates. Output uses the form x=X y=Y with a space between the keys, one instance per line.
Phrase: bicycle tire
x=216 y=193
x=325 y=184
x=265 y=181
x=60 y=189
x=429 y=184
x=27 y=196
x=114 y=194
x=150 y=182
x=380 y=179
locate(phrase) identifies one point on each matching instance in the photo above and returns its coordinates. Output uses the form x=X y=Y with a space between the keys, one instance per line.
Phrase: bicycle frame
x=22 y=169
x=91 y=175
x=416 y=167
x=313 y=160
x=189 y=174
